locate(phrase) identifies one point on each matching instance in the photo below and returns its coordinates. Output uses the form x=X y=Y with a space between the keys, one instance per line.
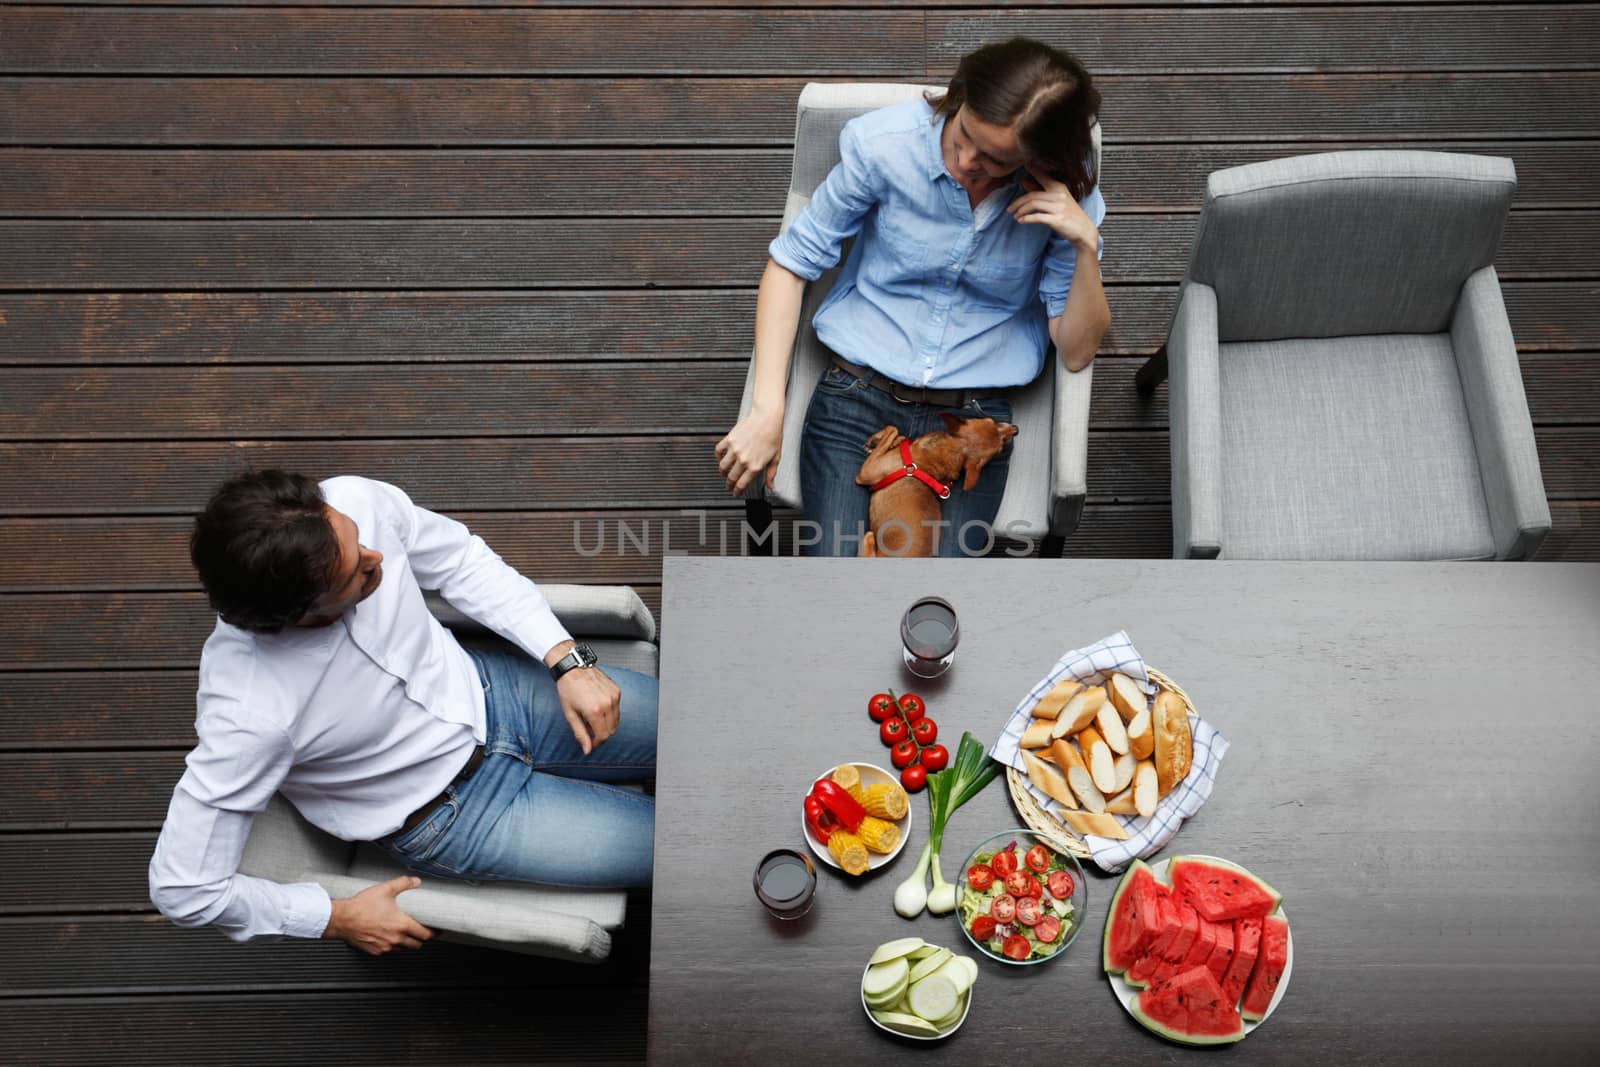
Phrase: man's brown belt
x=416 y=817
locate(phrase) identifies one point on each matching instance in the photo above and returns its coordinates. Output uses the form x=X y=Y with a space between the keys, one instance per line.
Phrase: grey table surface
x=1413 y=759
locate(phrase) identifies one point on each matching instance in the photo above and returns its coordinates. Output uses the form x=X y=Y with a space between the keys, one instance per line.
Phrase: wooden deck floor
x=504 y=256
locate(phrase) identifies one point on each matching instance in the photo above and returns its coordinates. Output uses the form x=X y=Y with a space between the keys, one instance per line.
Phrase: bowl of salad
x=1022 y=897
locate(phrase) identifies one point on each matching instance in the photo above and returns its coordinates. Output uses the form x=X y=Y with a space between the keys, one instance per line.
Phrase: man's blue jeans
x=537 y=809
x=844 y=412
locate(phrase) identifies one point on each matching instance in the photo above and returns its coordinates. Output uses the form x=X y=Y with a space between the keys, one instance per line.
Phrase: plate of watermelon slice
x=1197 y=949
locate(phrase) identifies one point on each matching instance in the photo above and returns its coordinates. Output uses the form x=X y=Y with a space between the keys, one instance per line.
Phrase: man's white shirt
x=357 y=723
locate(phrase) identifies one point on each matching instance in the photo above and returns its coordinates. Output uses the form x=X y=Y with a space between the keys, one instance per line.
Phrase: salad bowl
x=1022 y=897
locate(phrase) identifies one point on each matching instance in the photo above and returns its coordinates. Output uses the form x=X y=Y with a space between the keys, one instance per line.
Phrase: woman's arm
x=1077 y=331
x=752 y=446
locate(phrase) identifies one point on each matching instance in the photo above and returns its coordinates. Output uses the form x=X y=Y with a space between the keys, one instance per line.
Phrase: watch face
x=586 y=656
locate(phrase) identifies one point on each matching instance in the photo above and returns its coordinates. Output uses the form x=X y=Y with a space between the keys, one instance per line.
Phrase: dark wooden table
x=1413 y=764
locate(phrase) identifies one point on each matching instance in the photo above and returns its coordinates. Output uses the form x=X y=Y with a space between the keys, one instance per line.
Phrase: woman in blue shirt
x=972 y=211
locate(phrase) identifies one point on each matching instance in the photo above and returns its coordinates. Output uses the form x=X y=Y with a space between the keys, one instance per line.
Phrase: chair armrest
x=1195 y=400
x=585 y=610
x=1497 y=408
x=1069 y=447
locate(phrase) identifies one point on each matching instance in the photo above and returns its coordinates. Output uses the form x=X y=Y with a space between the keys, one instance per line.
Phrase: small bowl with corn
x=881 y=834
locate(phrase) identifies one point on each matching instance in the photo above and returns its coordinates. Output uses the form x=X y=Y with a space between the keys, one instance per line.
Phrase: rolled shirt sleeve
x=1061 y=258
x=816 y=235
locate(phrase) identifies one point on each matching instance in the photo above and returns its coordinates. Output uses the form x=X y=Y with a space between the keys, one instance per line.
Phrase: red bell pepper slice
x=819 y=821
x=839 y=803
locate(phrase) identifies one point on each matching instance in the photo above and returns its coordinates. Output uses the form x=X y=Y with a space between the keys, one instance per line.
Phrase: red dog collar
x=912 y=470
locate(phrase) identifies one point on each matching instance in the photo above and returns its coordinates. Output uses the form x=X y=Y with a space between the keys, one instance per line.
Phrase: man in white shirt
x=328 y=679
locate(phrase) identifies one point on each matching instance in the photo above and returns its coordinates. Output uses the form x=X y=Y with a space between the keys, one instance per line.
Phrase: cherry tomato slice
x=1060 y=885
x=893 y=731
x=1003 y=863
x=979 y=877
x=912 y=707
x=903 y=754
x=1017 y=947
x=982 y=927
x=1017 y=883
x=914 y=777
x=1047 y=929
x=1035 y=889
x=935 y=757
x=925 y=730
x=1029 y=910
x=1038 y=859
x=1003 y=908
x=880 y=707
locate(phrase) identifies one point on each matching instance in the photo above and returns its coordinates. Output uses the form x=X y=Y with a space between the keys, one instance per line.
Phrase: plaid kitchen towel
x=1093 y=666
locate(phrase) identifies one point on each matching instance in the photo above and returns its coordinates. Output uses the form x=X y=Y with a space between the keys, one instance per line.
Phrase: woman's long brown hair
x=1042 y=93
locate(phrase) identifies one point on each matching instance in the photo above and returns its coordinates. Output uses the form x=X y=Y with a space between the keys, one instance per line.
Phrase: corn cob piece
x=847 y=849
x=885 y=800
x=846 y=777
x=878 y=836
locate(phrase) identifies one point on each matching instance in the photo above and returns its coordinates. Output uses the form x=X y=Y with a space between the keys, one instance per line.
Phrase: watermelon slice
x=1268 y=969
x=1222 y=955
x=1134 y=919
x=1190 y=1008
x=1205 y=943
x=1220 y=890
x=1246 y=946
x=1139 y=970
x=1178 y=950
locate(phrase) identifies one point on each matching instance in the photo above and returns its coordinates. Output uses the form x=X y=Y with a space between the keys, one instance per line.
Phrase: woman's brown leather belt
x=914 y=394
x=416 y=817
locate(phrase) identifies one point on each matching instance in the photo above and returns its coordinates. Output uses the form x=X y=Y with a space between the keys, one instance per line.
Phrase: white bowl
x=871 y=774
x=966 y=1009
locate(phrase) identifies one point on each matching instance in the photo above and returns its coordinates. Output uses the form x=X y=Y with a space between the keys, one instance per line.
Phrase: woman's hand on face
x=752 y=446
x=1048 y=202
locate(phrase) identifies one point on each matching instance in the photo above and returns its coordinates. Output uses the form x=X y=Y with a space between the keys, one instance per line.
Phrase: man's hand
x=373 y=922
x=590 y=701
x=1048 y=202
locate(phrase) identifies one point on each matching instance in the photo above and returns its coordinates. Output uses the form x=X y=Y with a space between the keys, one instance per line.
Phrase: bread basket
x=1035 y=817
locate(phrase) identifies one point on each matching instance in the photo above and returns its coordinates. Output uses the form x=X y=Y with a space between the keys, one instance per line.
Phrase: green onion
x=947 y=791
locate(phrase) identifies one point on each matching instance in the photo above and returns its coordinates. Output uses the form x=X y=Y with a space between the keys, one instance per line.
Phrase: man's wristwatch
x=580 y=656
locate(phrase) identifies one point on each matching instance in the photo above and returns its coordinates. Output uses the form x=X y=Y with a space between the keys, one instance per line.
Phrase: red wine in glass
x=929 y=634
x=785 y=883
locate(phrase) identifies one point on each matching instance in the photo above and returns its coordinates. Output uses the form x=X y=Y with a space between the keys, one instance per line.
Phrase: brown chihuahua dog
x=910 y=479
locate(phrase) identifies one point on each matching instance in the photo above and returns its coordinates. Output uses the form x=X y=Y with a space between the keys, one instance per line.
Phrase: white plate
x=871 y=774
x=1127 y=994
x=916 y=1037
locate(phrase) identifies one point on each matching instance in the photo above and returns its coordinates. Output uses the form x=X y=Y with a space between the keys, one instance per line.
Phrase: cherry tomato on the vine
x=914 y=777
x=935 y=757
x=912 y=707
x=881 y=706
x=925 y=730
x=904 y=754
x=893 y=731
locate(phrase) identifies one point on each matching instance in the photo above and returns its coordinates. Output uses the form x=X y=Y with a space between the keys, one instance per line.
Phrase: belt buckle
x=895 y=388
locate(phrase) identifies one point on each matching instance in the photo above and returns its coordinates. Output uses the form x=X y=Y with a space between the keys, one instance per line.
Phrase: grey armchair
x=573 y=924
x=1344 y=383
x=1047 y=482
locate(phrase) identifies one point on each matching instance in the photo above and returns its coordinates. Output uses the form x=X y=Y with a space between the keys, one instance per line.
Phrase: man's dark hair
x=264 y=549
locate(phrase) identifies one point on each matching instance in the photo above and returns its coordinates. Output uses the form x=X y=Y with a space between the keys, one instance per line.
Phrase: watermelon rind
x=1178 y=862
x=1125 y=884
x=1184 y=1037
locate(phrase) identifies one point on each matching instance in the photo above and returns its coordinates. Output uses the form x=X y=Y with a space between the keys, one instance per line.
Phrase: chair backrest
x=1343 y=244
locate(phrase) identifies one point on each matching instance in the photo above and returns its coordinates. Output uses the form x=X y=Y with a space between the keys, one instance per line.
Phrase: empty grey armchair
x=1047 y=483
x=574 y=924
x=1344 y=383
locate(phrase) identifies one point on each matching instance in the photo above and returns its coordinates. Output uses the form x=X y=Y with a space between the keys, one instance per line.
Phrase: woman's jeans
x=844 y=412
x=537 y=809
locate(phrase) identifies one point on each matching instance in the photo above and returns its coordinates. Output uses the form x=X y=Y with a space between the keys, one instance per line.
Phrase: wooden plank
x=416 y=400
x=492 y=474
x=382 y=327
x=53 y=956
x=515 y=41
x=569 y=113
x=593 y=183
x=72 y=873
x=1513 y=37
x=698 y=3
x=608 y=547
x=1574 y=533
x=486 y=41
x=432 y=1026
x=65 y=710
x=122 y=631
x=465 y=254
x=86 y=791
x=375 y=327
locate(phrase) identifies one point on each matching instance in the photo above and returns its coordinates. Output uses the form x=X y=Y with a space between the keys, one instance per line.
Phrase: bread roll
x=1037 y=735
x=1050 y=705
x=1049 y=780
x=1141 y=741
x=1097 y=754
x=1122 y=803
x=1111 y=728
x=1126 y=696
x=1145 y=794
x=1078 y=776
x=1122 y=767
x=1174 y=747
x=1079 y=712
x=1100 y=825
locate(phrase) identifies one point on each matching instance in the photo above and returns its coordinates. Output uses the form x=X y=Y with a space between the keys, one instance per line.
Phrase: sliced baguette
x=1123 y=767
x=1141 y=740
x=1126 y=696
x=1037 y=735
x=1112 y=729
x=1122 y=803
x=1049 y=780
x=1078 y=776
x=1050 y=705
x=1099 y=824
x=1145 y=794
x=1097 y=754
x=1079 y=712
x=1174 y=748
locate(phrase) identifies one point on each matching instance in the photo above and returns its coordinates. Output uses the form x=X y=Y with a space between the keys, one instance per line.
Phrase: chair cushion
x=1348 y=448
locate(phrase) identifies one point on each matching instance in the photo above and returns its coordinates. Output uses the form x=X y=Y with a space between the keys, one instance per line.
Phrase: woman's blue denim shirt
x=934 y=292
